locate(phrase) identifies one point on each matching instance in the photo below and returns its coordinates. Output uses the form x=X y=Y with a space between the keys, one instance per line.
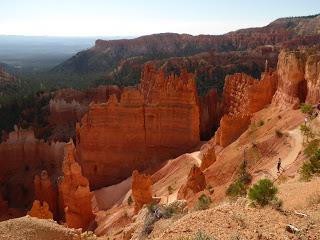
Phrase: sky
x=141 y=17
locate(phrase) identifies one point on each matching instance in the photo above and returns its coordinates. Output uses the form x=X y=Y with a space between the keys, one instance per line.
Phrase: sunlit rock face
x=292 y=87
x=196 y=182
x=141 y=190
x=243 y=96
x=312 y=76
x=74 y=192
x=156 y=121
x=39 y=210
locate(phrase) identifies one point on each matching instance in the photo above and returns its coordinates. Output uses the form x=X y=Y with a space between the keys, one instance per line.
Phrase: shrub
x=170 y=189
x=312 y=147
x=276 y=203
x=306 y=131
x=203 y=202
x=306 y=171
x=306 y=108
x=262 y=192
x=260 y=123
x=279 y=133
x=200 y=235
x=237 y=189
x=155 y=213
x=88 y=235
x=312 y=166
x=130 y=201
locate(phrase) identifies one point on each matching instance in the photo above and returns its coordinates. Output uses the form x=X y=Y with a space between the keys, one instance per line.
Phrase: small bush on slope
x=239 y=187
x=312 y=148
x=311 y=167
x=279 y=133
x=306 y=108
x=155 y=213
x=307 y=132
x=203 y=202
x=198 y=236
x=263 y=192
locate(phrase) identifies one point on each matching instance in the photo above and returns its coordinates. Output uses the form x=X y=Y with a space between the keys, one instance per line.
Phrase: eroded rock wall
x=156 y=121
x=292 y=87
x=22 y=156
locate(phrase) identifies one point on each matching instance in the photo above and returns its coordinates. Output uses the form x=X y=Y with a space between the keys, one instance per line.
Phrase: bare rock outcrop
x=141 y=190
x=196 y=182
x=41 y=211
x=292 y=87
x=243 y=96
x=208 y=156
x=74 y=192
x=231 y=128
x=312 y=76
x=156 y=121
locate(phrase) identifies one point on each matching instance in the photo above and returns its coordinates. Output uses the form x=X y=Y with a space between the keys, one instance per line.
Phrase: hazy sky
x=139 y=17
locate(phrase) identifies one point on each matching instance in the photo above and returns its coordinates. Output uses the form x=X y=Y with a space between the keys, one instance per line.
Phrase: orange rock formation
x=312 y=76
x=292 y=87
x=196 y=182
x=156 y=121
x=46 y=192
x=40 y=211
x=208 y=156
x=243 y=96
x=74 y=192
x=141 y=190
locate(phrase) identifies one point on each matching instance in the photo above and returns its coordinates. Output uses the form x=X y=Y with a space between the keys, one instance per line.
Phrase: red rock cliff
x=243 y=96
x=292 y=85
x=28 y=156
x=312 y=76
x=156 y=121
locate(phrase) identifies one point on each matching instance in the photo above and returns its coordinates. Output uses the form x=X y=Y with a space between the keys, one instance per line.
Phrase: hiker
x=279 y=165
x=305 y=120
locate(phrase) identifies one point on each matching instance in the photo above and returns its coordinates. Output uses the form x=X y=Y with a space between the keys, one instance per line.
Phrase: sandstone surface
x=196 y=182
x=74 y=192
x=156 y=121
x=141 y=190
x=41 y=211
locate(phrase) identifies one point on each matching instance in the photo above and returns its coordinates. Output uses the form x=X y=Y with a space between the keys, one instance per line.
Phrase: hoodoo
x=156 y=121
x=74 y=192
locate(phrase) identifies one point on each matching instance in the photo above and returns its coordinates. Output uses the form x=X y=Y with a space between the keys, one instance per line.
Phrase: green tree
x=263 y=192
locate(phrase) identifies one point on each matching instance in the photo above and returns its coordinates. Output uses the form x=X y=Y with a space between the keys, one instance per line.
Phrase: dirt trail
x=296 y=141
x=297 y=145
